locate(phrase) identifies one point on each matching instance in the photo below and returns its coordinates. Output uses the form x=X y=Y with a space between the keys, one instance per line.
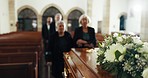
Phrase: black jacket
x=78 y=34
x=47 y=33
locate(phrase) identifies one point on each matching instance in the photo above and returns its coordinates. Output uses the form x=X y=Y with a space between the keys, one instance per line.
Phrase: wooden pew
x=11 y=49
x=21 y=57
x=17 y=70
x=21 y=41
x=21 y=47
x=18 y=57
x=18 y=35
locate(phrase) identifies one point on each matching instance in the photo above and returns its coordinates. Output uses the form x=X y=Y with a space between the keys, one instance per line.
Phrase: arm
x=77 y=39
x=92 y=37
x=70 y=41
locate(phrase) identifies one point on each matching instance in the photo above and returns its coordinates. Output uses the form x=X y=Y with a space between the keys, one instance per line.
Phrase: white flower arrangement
x=145 y=73
x=124 y=56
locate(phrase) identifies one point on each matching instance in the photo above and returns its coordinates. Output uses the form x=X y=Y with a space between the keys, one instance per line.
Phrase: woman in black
x=60 y=42
x=84 y=36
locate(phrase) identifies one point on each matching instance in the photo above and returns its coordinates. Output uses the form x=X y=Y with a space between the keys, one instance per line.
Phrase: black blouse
x=59 y=45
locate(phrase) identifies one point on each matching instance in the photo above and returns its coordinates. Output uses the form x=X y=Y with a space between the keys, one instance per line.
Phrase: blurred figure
x=58 y=17
x=60 y=42
x=47 y=30
x=84 y=36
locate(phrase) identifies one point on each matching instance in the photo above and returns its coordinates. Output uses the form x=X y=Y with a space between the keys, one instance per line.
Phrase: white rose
x=110 y=53
x=144 y=49
x=145 y=43
x=137 y=40
x=115 y=35
x=124 y=36
x=146 y=56
x=129 y=46
x=145 y=46
x=120 y=48
x=136 y=56
x=145 y=73
x=119 y=39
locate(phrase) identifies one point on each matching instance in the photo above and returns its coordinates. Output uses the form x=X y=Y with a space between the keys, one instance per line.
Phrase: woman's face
x=84 y=21
x=61 y=27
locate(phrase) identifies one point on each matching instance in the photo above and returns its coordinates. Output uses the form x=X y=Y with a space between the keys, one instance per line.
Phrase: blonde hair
x=84 y=16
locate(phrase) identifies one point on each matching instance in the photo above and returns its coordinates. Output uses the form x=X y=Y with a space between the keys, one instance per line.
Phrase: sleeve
x=70 y=41
x=93 y=38
x=53 y=28
x=52 y=42
x=76 y=37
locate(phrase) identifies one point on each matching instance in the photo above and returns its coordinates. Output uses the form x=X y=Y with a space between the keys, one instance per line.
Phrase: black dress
x=58 y=46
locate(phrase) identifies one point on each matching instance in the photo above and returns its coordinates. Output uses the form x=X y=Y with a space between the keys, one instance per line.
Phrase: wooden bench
x=17 y=70
x=21 y=38
x=21 y=57
x=5 y=49
x=18 y=57
x=21 y=41
x=21 y=47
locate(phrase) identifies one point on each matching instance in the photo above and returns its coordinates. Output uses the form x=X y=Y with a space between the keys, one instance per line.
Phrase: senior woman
x=60 y=42
x=84 y=36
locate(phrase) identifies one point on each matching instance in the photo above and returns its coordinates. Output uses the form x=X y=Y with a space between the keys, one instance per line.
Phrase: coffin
x=79 y=63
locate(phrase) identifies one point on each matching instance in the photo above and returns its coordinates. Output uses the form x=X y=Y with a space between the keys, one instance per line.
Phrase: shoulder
x=67 y=33
x=91 y=29
x=55 y=34
x=78 y=29
x=44 y=25
x=53 y=23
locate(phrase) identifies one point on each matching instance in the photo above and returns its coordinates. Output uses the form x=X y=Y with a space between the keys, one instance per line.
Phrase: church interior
x=21 y=44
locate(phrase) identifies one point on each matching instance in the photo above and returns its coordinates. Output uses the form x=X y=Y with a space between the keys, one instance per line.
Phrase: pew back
x=17 y=70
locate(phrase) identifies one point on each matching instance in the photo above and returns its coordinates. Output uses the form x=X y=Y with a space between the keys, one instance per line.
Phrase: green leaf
x=99 y=45
x=117 y=54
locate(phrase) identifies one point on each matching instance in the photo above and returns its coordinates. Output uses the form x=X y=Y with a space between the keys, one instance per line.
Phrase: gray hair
x=58 y=14
x=61 y=22
x=84 y=16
